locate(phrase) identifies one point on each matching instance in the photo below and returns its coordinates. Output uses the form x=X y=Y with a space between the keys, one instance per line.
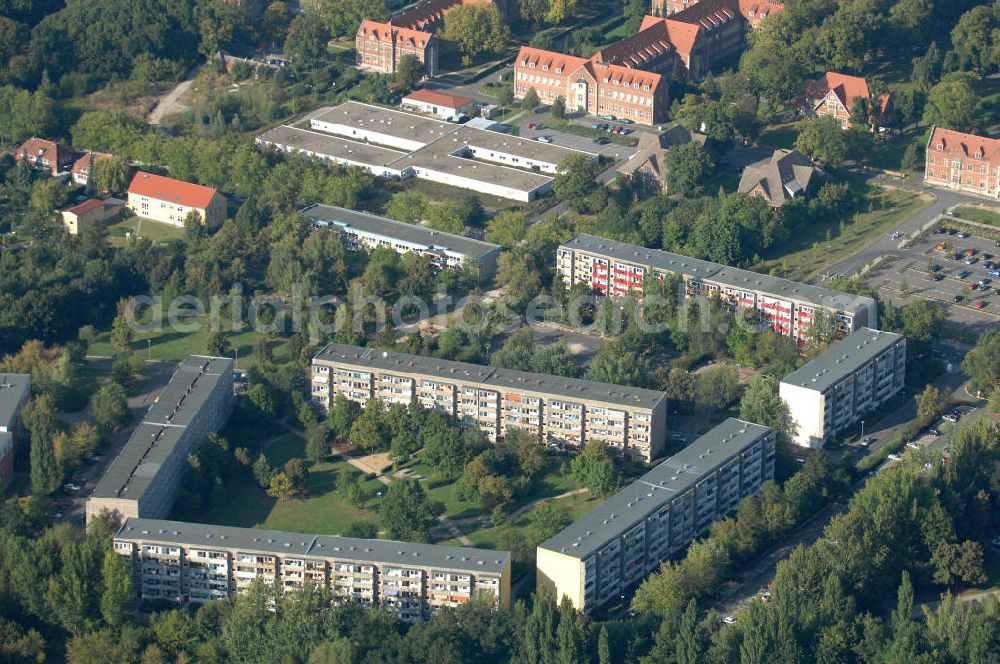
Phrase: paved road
x=944 y=199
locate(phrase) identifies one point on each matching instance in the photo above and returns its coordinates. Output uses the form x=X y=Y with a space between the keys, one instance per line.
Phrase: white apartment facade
x=561 y=412
x=611 y=549
x=192 y=563
x=830 y=394
x=614 y=269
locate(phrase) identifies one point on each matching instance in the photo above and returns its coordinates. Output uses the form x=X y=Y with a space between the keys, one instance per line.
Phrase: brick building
x=965 y=162
x=83 y=165
x=44 y=155
x=630 y=78
x=381 y=45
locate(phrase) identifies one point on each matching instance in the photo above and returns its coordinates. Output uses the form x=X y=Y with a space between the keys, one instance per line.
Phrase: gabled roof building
x=786 y=174
x=835 y=95
x=45 y=155
x=966 y=162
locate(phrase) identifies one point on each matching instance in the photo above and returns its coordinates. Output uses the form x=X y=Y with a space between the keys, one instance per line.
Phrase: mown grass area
x=780 y=136
x=142 y=228
x=817 y=246
x=173 y=345
x=978 y=214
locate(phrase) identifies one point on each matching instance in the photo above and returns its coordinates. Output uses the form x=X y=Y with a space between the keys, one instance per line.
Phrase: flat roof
x=484 y=139
x=329 y=144
x=569 y=388
x=437 y=157
x=846 y=356
x=729 y=276
x=162 y=428
x=411 y=234
x=13 y=389
x=399 y=124
x=316 y=546
x=652 y=491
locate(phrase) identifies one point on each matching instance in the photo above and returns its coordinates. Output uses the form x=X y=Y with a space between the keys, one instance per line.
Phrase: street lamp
x=149 y=349
x=862 y=431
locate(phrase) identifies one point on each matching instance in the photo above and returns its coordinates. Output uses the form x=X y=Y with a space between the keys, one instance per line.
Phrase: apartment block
x=14 y=392
x=614 y=269
x=562 y=412
x=196 y=563
x=965 y=162
x=830 y=394
x=612 y=548
x=143 y=480
x=368 y=231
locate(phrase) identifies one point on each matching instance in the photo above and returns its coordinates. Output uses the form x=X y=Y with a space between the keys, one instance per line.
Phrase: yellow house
x=169 y=201
x=77 y=218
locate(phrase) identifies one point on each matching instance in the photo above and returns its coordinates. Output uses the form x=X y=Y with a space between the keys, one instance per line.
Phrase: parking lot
x=939 y=267
x=610 y=149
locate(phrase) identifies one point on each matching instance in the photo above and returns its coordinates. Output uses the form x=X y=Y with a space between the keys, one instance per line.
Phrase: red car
x=980 y=304
x=530 y=125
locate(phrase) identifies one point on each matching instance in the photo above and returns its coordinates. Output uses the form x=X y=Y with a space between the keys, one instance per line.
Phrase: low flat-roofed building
x=612 y=548
x=143 y=480
x=561 y=412
x=612 y=268
x=375 y=159
x=362 y=229
x=856 y=375
x=380 y=125
x=196 y=563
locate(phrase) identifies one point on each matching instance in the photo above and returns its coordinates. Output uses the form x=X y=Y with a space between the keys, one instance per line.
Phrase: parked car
x=625 y=121
x=971 y=260
x=609 y=117
x=729 y=620
x=956 y=299
x=600 y=140
x=530 y=125
x=971 y=251
x=962 y=274
x=963 y=235
x=894 y=457
x=544 y=139
x=913 y=446
x=934 y=432
x=950 y=417
x=993 y=273
x=937 y=277
x=980 y=304
x=933 y=267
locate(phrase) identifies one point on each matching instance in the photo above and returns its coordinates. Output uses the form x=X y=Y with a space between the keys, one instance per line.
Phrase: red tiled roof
x=387 y=33
x=168 y=189
x=648 y=43
x=439 y=98
x=761 y=9
x=35 y=147
x=847 y=88
x=617 y=74
x=86 y=162
x=85 y=206
x=682 y=35
x=565 y=63
x=967 y=146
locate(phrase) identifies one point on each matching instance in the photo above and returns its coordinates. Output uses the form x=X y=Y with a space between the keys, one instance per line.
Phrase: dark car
x=957 y=298
x=937 y=277
x=600 y=140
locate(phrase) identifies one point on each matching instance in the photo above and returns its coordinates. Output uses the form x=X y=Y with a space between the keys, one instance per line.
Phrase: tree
x=545 y=520
x=405 y=512
x=260 y=396
x=39 y=419
x=615 y=364
x=368 y=430
x=336 y=651
x=530 y=100
x=703 y=114
x=280 y=486
x=218 y=345
x=341 y=415
x=409 y=71
x=952 y=104
x=276 y=21
x=923 y=321
x=982 y=363
x=595 y=469
x=762 y=405
x=559 y=11
x=506 y=228
x=109 y=174
x=559 y=108
x=688 y=166
x=576 y=178
x=912 y=159
x=518 y=273
x=121 y=329
x=822 y=139
x=505 y=97
x=110 y=407
x=117 y=593
x=476 y=28
x=974 y=39
x=603 y=647
x=306 y=41
x=718 y=386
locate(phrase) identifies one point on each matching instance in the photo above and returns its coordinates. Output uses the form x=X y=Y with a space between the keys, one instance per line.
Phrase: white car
x=544 y=139
x=913 y=446
x=729 y=620
x=894 y=457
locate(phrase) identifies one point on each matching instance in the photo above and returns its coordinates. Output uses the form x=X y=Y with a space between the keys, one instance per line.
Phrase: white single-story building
x=437 y=103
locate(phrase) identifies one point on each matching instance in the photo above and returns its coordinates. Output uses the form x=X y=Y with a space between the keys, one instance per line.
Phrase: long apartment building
x=613 y=269
x=398 y=145
x=965 y=162
x=196 y=563
x=613 y=547
x=368 y=231
x=830 y=394
x=14 y=392
x=143 y=480
x=562 y=412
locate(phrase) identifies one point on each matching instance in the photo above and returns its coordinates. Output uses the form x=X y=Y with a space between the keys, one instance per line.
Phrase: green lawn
x=978 y=214
x=890 y=155
x=139 y=227
x=780 y=136
x=809 y=253
x=173 y=345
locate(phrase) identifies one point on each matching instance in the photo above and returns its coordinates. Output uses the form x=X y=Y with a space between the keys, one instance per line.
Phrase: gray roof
x=656 y=488
x=785 y=174
x=569 y=388
x=155 y=438
x=715 y=272
x=14 y=389
x=437 y=157
x=316 y=546
x=420 y=237
x=400 y=124
x=844 y=357
x=522 y=147
x=328 y=144
x=6 y=442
